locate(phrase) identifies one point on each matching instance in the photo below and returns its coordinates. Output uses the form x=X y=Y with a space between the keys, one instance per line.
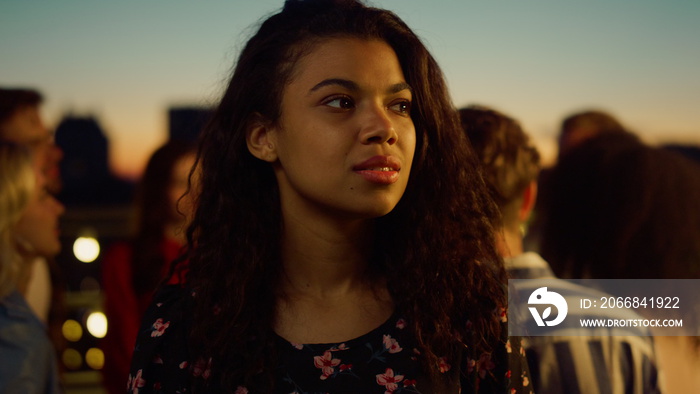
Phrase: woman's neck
x=325 y=258
x=327 y=293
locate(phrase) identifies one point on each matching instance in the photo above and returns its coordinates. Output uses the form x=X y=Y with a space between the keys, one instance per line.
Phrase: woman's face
x=345 y=141
x=37 y=230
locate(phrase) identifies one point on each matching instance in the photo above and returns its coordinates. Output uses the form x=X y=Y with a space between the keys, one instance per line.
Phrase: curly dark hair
x=437 y=242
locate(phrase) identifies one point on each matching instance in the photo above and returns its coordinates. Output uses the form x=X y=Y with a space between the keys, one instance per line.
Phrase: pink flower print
x=183 y=365
x=135 y=383
x=401 y=324
x=326 y=363
x=485 y=364
x=471 y=364
x=241 y=390
x=526 y=381
x=202 y=368
x=342 y=346
x=388 y=380
x=297 y=346
x=345 y=367
x=509 y=374
x=391 y=344
x=159 y=328
x=409 y=382
x=509 y=349
x=444 y=366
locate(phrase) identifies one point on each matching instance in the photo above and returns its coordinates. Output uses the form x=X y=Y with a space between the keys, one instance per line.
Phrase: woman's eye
x=402 y=107
x=340 y=102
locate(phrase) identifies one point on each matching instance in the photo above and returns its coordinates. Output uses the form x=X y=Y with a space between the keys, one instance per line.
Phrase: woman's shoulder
x=28 y=357
x=161 y=359
x=171 y=306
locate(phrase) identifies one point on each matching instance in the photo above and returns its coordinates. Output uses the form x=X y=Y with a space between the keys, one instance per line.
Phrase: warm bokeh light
x=86 y=249
x=95 y=358
x=72 y=330
x=72 y=359
x=97 y=324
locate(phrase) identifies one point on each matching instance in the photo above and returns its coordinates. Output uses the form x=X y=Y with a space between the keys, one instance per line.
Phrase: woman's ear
x=260 y=139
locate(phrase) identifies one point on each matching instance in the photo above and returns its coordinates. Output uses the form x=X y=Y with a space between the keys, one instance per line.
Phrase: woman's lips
x=379 y=169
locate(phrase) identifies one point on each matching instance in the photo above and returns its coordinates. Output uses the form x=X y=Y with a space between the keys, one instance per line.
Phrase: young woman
x=28 y=228
x=132 y=270
x=342 y=240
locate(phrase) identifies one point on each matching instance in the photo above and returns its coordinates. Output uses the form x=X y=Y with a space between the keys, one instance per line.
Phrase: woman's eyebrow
x=350 y=85
x=399 y=87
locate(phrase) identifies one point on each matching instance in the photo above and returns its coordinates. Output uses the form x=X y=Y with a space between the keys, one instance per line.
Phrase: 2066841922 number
x=640 y=302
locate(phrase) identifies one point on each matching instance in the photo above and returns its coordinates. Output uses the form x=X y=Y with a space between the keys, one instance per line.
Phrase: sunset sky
x=127 y=62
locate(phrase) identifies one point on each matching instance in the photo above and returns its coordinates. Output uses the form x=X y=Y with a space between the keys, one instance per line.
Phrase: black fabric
x=384 y=360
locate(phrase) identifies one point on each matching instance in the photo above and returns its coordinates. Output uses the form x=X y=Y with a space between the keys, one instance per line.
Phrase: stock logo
x=543 y=297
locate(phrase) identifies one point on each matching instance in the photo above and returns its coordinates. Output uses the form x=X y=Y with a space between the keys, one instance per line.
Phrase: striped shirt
x=571 y=363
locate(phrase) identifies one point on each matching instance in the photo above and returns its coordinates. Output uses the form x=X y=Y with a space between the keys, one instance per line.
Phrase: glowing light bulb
x=86 y=249
x=97 y=324
x=72 y=330
x=95 y=358
x=72 y=359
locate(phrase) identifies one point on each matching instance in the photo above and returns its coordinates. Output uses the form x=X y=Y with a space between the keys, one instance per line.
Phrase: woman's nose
x=377 y=127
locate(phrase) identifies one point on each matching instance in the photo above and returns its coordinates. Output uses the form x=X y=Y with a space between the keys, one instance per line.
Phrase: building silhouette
x=87 y=178
x=186 y=123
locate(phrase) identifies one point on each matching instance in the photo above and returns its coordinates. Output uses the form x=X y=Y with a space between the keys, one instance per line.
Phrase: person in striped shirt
x=560 y=363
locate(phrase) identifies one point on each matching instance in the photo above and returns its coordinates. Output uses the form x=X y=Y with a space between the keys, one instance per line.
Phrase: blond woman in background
x=28 y=228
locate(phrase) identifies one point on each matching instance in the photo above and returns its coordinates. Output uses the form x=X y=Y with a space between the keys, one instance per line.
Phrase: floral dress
x=385 y=360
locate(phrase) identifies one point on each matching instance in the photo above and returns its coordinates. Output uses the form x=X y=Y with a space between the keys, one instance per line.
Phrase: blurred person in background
x=580 y=126
x=616 y=208
x=28 y=228
x=574 y=130
x=132 y=270
x=636 y=211
x=21 y=122
x=558 y=364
